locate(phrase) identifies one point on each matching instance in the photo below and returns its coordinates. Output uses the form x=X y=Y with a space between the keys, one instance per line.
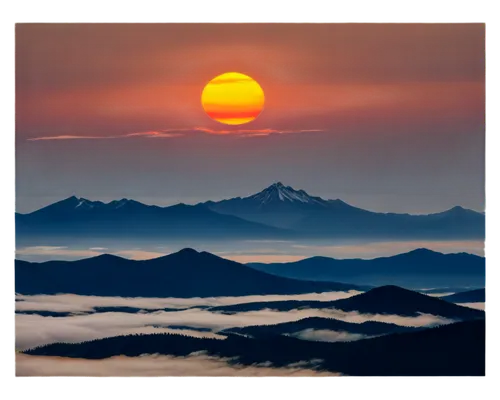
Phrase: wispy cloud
x=325 y=335
x=175 y=133
x=195 y=364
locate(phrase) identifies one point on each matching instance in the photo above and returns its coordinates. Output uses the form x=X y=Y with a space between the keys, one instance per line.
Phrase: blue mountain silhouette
x=278 y=211
x=283 y=206
x=78 y=217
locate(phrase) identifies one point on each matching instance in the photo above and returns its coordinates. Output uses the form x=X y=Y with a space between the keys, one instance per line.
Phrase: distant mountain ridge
x=187 y=273
x=79 y=217
x=417 y=269
x=278 y=212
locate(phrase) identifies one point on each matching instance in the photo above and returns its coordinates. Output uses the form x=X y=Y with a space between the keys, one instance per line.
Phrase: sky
x=387 y=117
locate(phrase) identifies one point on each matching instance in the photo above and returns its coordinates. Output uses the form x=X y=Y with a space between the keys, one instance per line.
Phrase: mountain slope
x=313 y=217
x=471 y=296
x=390 y=300
x=415 y=269
x=453 y=350
x=128 y=218
x=186 y=273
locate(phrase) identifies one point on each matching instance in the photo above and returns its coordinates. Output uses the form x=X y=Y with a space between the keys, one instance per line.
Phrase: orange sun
x=232 y=98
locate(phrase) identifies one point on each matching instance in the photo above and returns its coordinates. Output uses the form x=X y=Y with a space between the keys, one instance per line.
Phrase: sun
x=233 y=98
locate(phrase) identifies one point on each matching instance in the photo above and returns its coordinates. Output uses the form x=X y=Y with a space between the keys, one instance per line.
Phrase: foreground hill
x=186 y=273
x=369 y=328
x=452 y=350
x=415 y=269
x=382 y=300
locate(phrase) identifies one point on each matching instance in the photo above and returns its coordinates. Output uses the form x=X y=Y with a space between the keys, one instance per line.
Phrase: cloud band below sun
x=173 y=133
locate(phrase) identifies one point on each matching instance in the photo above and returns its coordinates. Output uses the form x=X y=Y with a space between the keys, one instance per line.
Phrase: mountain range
x=187 y=273
x=419 y=268
x=190 y=273
x=278 y=212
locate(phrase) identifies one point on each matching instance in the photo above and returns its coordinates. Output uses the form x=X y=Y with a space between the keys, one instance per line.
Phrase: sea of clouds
x=188 y=317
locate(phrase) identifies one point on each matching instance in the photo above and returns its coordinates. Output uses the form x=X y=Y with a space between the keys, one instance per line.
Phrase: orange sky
x=92 y=78
x=388 y=117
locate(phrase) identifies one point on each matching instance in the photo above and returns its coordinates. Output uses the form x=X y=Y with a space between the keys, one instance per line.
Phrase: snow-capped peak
x=84 y=204
x=279 y=192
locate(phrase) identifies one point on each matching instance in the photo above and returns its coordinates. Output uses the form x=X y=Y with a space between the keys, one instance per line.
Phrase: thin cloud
x=70 y=137
x=253 y=132
x=174 y=133
x=195 y=364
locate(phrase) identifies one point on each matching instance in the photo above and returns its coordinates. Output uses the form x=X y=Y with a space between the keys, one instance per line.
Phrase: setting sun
x=233 y=98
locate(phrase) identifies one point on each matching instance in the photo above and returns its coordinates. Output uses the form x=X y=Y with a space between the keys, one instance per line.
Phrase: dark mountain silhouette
x=471 y=296
x=369 y=328
x=382 y=300
x=186 y=273
x=278 y=211
x=396 y=300
x=129 y=218
x=415 y=269
x=311 y=216
x=452 y=350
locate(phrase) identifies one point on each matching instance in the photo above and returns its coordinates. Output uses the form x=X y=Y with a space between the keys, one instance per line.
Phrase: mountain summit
x=279 y=192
